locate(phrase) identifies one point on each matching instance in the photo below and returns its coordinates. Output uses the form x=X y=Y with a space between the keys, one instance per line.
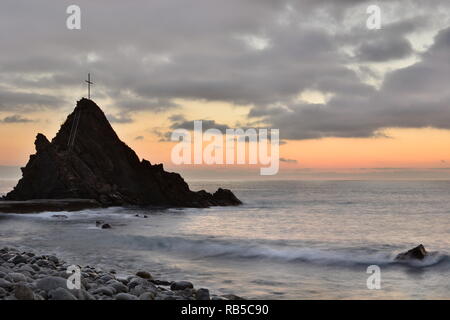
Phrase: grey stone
x=144 y=275
x=61 y=294
x=147 y=296
x=27 y=268
x=51 y=283
x=125 y=296
x=18 y=277
x=181 y=285
x=106 y=278
x=118 y=286
x=35 y=268
x=137 y=281
x=202 y=294
x=22 y=292
x=5 y=284
x=107 y=291
x=18 y=259
x=53 y=259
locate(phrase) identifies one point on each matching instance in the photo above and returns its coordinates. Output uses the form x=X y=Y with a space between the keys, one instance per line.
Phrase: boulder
x=202 y=294
x=87 y=160
x=125 y=296
x=417 y=253
x=61 y=294
x=22 y=292
x=144 y=274
x=181 y=285
x=48 y=284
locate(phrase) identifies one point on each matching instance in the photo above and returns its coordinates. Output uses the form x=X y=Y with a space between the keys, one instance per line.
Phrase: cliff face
x=87 y=160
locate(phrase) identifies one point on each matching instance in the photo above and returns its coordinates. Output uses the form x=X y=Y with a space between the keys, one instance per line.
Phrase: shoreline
x=25 y=275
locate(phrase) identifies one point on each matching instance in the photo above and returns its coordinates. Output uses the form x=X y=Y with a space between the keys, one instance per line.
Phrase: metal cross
x=89 y=85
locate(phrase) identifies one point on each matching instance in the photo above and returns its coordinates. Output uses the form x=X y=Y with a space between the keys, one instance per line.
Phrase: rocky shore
x=29 y=276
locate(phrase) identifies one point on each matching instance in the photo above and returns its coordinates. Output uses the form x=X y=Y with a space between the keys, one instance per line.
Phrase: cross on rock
x=89 y=82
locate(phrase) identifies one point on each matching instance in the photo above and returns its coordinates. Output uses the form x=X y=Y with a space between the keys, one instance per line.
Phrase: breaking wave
x=213 y=248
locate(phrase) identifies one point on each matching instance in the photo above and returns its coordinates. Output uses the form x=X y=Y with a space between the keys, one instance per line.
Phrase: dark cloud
x=206 y=124
x=15 y=119
x=262 y=53
x=413 y=97
x=384 y=50
x=139 y=138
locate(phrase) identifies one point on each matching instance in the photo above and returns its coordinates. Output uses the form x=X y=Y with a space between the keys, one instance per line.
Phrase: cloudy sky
x=344 y=97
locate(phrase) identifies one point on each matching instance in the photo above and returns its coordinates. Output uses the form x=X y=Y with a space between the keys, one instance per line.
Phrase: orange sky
x=405 y=148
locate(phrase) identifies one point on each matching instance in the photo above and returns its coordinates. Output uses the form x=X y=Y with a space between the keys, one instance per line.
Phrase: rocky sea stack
x=87 y=160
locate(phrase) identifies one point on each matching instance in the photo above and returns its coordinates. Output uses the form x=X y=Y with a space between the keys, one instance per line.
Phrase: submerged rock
x=417 y=253
x=87 y=160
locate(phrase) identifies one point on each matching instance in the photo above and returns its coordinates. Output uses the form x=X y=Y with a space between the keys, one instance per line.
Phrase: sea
x=289 y=240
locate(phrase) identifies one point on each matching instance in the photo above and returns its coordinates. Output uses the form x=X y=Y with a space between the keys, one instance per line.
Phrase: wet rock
x=417 y=253
x=106 y=226
x=61 y=294
x=137 y=281
x=53 y=259
x=50 y=283
x=118 y=286
x=82 y=294
x=18 y=277
x=202 y=294
x=161 y=282
x=107 y=291
x=138 y=290
x=22 y=292
x=144 y=275
x=18 y=259
x=181 y=285
x=147 y=296
x=125 y=296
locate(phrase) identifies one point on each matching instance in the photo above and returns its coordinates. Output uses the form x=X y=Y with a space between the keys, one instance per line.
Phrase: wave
x=214 y=248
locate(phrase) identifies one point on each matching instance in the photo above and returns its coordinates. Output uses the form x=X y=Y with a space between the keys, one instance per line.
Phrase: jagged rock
x=417 y=253
x=87 y=160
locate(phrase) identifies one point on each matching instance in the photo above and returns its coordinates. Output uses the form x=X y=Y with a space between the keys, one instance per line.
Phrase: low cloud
x=16 y=119
x=288 y=160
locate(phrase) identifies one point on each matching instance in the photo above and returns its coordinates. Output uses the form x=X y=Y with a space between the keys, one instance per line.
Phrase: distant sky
x=348 y=101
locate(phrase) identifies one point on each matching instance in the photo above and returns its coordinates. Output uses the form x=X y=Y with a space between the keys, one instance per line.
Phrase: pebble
x=125 y=296
x=26 y=276
x=144 y=275
x=181 y=285
x=202 y=294
x=61 y=294
x=22 y=292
